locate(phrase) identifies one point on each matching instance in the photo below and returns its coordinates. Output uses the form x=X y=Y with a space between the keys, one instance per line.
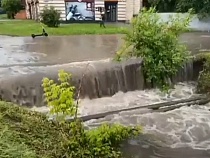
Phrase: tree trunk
x=13 y=15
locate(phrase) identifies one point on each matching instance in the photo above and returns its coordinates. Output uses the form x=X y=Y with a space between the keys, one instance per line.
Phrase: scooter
x=44 y=33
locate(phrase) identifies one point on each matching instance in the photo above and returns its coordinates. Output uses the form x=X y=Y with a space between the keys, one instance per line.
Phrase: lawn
x=28 y=27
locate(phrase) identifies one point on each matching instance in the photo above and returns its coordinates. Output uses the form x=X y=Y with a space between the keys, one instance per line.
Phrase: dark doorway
x=111 y=11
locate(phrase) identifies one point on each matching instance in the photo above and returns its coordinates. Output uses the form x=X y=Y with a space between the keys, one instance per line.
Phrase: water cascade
x=102 y=78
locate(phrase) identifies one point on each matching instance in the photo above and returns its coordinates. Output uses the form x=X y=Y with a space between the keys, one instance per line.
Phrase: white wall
x=121 y=11
x=98 y=3
x=137 y=5
x=132 y=8
x=196 y=24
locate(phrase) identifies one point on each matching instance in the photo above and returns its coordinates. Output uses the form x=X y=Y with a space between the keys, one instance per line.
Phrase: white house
x=73 y=10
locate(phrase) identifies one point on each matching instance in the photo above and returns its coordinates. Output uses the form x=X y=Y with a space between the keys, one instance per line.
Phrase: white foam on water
x=183 y=127
x=135 y=98
x=130 y=99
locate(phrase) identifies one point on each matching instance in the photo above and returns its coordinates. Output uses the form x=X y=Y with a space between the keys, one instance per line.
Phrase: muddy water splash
x=130 y=99
x=183 y=132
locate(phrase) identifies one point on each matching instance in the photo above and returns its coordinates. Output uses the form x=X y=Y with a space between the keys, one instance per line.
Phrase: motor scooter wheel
x=33 y=35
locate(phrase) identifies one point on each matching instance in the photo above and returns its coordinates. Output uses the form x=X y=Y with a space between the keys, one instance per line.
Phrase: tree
x=200 y=7
x=156 y=42
x=12 y=7
x=163 y=5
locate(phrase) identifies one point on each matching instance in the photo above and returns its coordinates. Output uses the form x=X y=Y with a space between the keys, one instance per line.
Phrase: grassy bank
x=27 y=27
x=25 y=134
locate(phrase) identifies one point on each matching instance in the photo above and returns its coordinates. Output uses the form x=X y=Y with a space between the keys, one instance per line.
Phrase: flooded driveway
x=57 y=50
x=66 y=49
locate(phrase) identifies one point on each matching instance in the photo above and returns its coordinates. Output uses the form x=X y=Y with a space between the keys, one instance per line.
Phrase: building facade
x=87 y=10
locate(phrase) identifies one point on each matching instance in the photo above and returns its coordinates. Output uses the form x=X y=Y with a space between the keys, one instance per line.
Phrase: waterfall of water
x=102 y=78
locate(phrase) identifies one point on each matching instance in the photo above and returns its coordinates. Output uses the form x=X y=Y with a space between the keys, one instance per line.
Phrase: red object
x=21 y=15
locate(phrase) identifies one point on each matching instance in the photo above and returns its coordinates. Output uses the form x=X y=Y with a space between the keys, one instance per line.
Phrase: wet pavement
x=66 y=49
x=197 y=41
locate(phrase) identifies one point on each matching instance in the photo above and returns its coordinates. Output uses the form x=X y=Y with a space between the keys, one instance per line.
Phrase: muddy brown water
x=21 y=53
x=58 y=50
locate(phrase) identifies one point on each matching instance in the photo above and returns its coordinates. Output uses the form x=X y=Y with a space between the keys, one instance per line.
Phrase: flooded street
x=58 y=50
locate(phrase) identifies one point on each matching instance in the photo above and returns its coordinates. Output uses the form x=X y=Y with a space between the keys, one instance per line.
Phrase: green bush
x=12 y=149
x=12 y=7
x=50 y=17
x=203 y=85
x=28 y=133
x=103 y=141
x=156 y=42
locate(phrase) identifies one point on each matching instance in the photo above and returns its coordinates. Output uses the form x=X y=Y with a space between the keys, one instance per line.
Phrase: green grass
x=26 y=134
x=27 y=27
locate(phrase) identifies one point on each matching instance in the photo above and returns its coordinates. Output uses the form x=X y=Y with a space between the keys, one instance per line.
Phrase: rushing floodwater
x=180 y=133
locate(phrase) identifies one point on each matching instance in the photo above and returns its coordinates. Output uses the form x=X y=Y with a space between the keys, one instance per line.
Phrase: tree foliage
x=156 y=42
x=50 y=17
x=103 y=141
x=203 y=85
x=12 y=7
x=163 y=5
x=200 y=7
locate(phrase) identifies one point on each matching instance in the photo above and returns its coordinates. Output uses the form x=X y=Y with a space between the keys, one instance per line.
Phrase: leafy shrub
x=103 y=141
x=26 y=132
x=50 y=17
x=12 y=7
x=156 y=42
x=203 y=85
